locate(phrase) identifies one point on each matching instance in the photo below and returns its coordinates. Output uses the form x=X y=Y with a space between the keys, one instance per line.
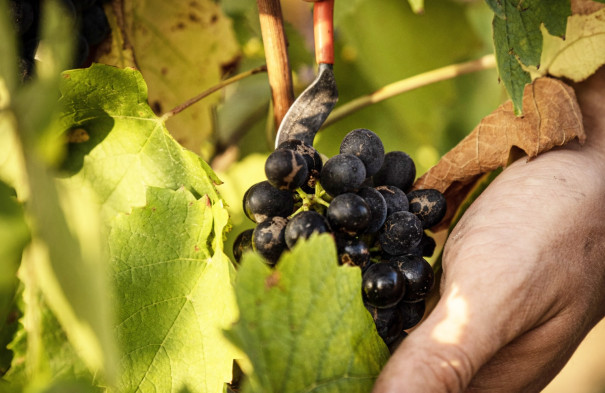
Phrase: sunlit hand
x=524 y=275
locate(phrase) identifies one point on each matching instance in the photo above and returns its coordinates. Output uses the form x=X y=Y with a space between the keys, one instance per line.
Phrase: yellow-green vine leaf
x=181 y=48
x=174 y=294
x=582 y=51
x=127 y=148
x=303 y=325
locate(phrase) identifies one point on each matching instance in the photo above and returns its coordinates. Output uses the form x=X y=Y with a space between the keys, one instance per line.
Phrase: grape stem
x=181 y=107
x=411 y=83
x=309 y=200
x=321 y=201
x=306 y=201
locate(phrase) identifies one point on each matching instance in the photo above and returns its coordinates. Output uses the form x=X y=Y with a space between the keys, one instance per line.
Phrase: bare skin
x=524 y=275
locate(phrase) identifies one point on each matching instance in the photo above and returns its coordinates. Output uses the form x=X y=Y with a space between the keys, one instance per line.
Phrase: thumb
x=444 y=352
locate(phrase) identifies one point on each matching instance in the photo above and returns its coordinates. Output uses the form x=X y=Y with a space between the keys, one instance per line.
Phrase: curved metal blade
x=310 y=109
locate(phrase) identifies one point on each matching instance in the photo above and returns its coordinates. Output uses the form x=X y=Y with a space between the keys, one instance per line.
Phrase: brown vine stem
x=276 y=54
x=179 y=108
x=411 y=83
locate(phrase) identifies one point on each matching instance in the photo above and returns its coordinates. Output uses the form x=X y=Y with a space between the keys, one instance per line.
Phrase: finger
x=444 y=352
x=479 y=313
x=530 y=362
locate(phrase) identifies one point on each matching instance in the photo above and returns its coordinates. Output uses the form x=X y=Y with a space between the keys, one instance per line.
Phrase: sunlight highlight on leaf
x=173 y=288
x=581 y=53
x=128 y=148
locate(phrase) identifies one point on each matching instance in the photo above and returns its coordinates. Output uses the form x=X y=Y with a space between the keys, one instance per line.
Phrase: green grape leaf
x=174 y=294
x=303 y=325
x=518 y=38
x=511 y=72
x=497 y=7
x=55 y=356
x=181 y=48
x=119 y=146
x=15 y=235
x=8 y=332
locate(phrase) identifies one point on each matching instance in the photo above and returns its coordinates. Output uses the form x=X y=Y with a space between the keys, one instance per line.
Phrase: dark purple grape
x=395 y=199
x=368 y=182
x=366 y=145
x=427 y=246
x=268 y=239
x=377 y=205
x=419 y=276
x=353 y=252
x=263 y=201
x=368 y=265
x=397 y=170
x=383 y=285
x=286 y=169
x=348 y=213
x=242 y=243
x=302 y=225
x=388 y=321
x=428 y=205
x=94 y=26
x=401 y=232
x=342 y=173
x=311 y=156
x=411 y=313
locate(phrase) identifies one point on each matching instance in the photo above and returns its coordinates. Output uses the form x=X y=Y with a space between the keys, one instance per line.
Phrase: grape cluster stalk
x=364 y=198
x=86 y=17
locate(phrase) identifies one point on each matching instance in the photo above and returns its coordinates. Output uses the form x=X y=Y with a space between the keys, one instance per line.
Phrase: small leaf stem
x=411 y=83
x=179 y=108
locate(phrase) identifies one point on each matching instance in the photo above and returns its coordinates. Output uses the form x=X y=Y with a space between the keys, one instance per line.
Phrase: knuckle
x=452 y=368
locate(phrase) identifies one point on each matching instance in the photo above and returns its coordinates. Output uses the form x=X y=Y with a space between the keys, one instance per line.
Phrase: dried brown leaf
x=551 y=118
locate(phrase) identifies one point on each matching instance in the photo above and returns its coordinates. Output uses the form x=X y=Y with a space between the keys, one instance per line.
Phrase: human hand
x=523 y=275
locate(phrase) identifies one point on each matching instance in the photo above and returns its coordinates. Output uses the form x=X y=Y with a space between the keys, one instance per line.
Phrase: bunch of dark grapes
x=363 y=197
x=87 y=18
